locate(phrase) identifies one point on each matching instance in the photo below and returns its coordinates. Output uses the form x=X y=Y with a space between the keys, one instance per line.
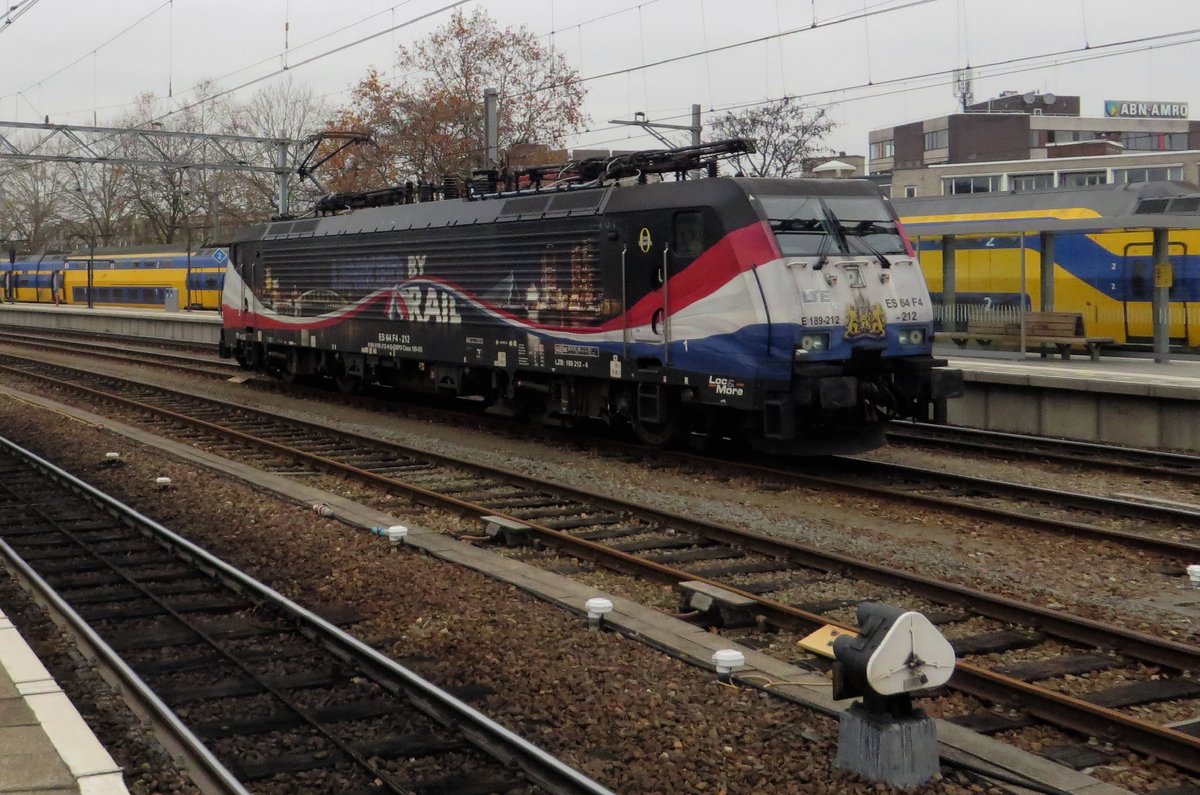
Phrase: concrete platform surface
x=45 y=745
x=1130 y=375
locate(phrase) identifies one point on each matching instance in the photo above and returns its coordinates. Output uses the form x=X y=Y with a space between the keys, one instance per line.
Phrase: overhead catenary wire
x=1018 y=66
x=15 y=12
x=109 y=41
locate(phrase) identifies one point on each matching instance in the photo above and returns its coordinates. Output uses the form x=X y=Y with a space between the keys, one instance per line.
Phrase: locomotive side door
x=660 y=247
x=1138 y=292
x=647 y=247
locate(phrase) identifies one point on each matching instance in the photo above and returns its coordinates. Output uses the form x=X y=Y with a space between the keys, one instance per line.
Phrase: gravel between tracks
x=1103 y=581
x=633 y=718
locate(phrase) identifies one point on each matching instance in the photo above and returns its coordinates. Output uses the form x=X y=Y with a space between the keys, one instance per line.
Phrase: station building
x=1036 y=141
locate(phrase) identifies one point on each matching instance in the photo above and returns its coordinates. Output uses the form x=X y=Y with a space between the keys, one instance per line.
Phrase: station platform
x=46 y=748
x=1128 y=400
x=194 y=326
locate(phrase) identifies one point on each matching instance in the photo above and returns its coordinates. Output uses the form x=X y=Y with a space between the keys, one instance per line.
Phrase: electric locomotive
x=790 y=313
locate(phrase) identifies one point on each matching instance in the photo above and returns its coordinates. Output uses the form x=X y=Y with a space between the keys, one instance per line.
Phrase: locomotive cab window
x=689 y=235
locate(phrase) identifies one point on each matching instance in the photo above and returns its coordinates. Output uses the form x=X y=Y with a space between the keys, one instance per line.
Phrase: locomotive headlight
x=912 y=336
x=814 y=343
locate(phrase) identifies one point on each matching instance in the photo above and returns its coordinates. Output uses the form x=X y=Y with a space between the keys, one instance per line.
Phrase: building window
x=910 y=191
x=1149 y=174
x=937 y=139
x=960 y=185
x=1081 y=179
x=1023 y=182
x=883 y=149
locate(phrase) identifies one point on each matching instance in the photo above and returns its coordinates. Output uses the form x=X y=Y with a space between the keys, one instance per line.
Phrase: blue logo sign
x=220 y=256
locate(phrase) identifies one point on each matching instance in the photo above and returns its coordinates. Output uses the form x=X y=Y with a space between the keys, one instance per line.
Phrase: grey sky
x=867 y=67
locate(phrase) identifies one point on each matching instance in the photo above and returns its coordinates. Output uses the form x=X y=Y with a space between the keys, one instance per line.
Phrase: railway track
x=1129 y=460
x=1164 y=529
x=1170 y=530
x=786 y=582
x=246 y=685
x=192 y=359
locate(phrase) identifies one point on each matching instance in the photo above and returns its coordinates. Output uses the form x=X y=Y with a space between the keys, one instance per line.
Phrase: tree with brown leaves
x=430 y=123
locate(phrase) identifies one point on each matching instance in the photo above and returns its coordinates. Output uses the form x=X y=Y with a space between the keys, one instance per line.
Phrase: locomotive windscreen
x=811 y=225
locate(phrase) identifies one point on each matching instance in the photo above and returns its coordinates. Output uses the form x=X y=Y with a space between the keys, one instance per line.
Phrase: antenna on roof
x=962 y=87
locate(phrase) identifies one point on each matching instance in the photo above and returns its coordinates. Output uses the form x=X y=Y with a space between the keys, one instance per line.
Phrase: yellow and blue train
x=1107 y=276
x=135 y=278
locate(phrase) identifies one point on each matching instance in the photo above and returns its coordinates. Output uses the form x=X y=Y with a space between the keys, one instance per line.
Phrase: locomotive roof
x=727 y=194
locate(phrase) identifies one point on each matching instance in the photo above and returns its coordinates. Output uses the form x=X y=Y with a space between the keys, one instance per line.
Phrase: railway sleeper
x=995 y=642
x=1077 y=757
x=287 y=720
x=609 y=533
x=1065 y=665
x=749 y=567
x=1144 y=693
x=694 y=555
x=993 y=722
x=582 y=521
x=119 y=610
x=661 y=542
x=244 y=686
x=394 y=747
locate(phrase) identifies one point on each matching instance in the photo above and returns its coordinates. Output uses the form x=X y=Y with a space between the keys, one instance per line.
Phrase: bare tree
x=786 y=133
x=170 y=199
x=97 y=199
x=31 y=204
x=283 y=110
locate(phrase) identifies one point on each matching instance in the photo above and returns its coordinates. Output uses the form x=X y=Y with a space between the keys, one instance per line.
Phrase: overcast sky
x=874 y=63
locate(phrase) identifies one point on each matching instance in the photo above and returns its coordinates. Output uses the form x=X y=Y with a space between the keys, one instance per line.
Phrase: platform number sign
x=220 y=256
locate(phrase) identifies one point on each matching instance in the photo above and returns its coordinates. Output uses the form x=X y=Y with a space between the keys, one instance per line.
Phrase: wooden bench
x=1062 y=330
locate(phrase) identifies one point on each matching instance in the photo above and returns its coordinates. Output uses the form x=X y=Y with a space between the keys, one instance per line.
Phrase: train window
x=1185 y=204
x=1146 y=206
x=798 y=224
x=866 y=225
x=1139 y=283
x=689 y=234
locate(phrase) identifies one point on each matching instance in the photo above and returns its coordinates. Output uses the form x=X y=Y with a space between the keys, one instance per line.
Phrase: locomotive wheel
x=655 y=434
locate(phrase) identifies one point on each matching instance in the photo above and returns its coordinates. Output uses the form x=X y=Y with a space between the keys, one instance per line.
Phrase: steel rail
x=1177 y=550
x=1056 y=708
x=1137 y=460
x=173 y=361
